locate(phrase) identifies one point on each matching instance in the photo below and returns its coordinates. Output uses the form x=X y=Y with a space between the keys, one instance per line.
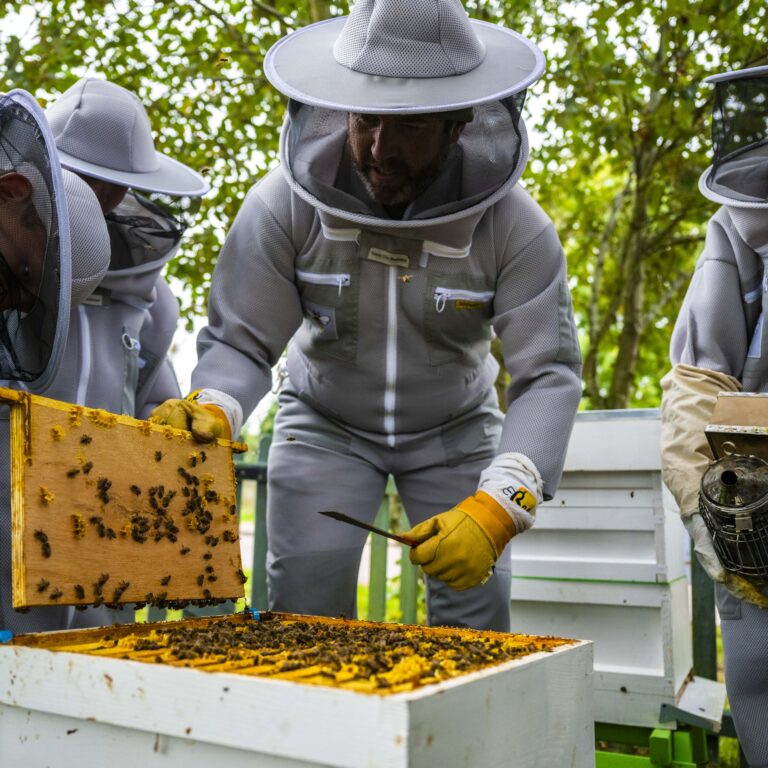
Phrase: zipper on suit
x=390 y=392
x=85 y=355
x=342 y=279
x=444 y=295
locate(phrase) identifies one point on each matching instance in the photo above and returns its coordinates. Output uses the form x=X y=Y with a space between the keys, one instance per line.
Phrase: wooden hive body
x=87 y=700
x=533 y=711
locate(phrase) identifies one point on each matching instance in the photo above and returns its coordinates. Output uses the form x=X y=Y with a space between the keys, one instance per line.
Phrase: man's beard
x=411 y=185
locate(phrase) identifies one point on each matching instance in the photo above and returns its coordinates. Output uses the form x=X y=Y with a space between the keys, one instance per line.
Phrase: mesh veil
x=34 y=244
x=740 y=139
x=492 y=153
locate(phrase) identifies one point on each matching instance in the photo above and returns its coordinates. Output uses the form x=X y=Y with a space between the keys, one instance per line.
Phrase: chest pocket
x=329 y=302
x=457 y=319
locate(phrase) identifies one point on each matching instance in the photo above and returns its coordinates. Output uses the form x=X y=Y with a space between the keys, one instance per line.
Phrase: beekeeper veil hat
x=102 y=130
x=402 y=56
x=35 y=267
x=738 y=176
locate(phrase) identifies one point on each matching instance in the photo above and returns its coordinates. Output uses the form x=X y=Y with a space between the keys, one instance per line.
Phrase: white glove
x=704 y=547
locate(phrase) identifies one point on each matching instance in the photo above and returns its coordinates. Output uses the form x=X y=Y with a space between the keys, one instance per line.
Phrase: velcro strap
x=491 y=517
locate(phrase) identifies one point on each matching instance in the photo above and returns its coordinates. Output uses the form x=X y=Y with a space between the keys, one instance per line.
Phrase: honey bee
x=42 y=585
x=79 y=591
x=56 y=594
x=158 y=455
x=74 y=472
x=42 y=537
x=86 y=440
x=119 y=589
x=164 y=581
x=184 y=550
x=99 y=584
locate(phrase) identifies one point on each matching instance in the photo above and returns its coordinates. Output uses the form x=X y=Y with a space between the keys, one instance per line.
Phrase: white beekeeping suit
x=719 y=344
x=46 y=216
x=389 y=246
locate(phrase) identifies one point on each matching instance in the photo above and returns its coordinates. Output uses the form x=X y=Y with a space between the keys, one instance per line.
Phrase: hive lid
x=111 y=509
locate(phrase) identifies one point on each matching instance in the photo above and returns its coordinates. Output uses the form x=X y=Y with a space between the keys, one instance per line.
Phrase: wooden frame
x=111 y=509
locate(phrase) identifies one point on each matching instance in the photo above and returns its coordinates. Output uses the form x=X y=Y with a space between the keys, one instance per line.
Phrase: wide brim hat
x=102 y=131
x=738 y=176
x=403 y=57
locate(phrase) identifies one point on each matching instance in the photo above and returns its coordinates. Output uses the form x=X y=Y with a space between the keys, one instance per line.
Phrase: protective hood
x=143 y=238
x=480 y=168
x=738 y=176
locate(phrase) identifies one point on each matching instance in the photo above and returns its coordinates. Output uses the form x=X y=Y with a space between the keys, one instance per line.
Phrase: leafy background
x=619 y=131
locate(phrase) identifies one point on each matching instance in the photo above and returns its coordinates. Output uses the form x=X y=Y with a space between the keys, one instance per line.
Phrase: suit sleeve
x=254 y=306
x=534 y=320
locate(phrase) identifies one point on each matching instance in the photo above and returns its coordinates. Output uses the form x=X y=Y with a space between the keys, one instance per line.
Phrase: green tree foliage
x=619 y=137
x=198 y=63
x=616 y=157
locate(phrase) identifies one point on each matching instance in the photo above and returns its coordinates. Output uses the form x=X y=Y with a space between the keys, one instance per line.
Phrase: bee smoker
x=733 y=498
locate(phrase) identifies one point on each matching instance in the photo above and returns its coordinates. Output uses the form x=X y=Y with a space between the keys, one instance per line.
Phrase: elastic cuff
x=492 y=518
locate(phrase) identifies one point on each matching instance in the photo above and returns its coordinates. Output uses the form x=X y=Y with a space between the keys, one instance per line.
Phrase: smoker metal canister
x=734 y=504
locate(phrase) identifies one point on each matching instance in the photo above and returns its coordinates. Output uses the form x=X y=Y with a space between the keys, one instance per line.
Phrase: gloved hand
x=207 y=422
x=461 y=545
x=737 y=585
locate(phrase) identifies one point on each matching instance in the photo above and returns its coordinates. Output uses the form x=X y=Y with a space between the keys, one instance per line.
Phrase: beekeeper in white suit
x=719 y=344
x=389 y=246
x=54 y=250
x=117 y=353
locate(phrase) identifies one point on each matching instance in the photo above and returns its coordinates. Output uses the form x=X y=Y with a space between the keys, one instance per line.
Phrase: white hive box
x=606 y=561
x=66 y=709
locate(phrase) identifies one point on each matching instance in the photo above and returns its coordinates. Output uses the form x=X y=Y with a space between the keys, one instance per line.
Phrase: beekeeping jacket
x=119 y=338
x=719 y=343
x=89 y=245
x=391 y=320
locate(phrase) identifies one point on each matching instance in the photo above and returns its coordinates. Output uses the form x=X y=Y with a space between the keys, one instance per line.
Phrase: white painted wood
x=607 y=568
x=641 y=634
x=34 y=739
x=606 y=561
x=615 y=440
x=537 y=708
x=701 y=704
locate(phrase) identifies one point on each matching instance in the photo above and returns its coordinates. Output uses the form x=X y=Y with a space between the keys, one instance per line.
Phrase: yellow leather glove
x=207 y=422
x=460 y=546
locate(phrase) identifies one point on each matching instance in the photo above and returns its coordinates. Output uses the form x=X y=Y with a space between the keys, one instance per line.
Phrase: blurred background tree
x=619 y=130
